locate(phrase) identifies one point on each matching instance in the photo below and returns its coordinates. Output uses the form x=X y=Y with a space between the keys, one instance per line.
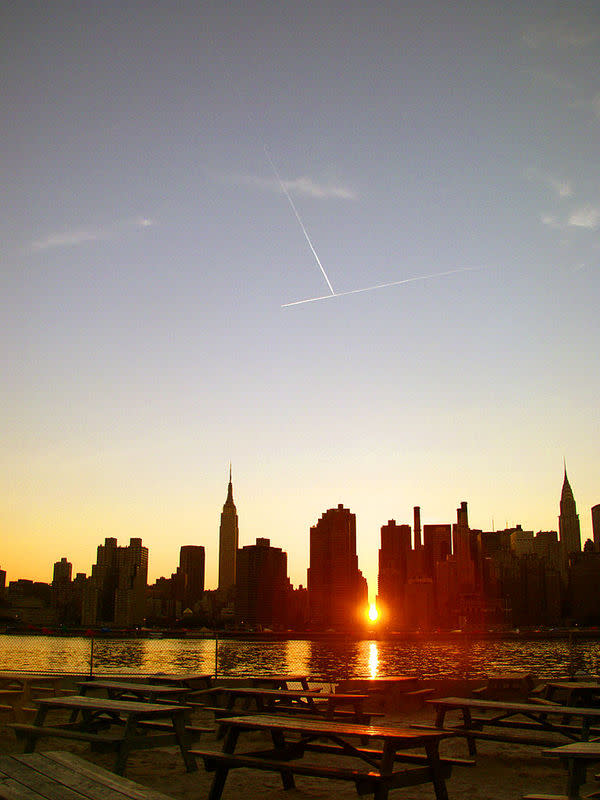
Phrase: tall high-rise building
x=337 y=590
x=394 y=556
x=568 y=520
x=115 y=593
x=263 y=590
x=228 y=541
x=596 y=526
x=189 y=578
x=62 y=573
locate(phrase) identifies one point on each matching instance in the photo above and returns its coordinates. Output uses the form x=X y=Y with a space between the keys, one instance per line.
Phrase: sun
x=373 y=613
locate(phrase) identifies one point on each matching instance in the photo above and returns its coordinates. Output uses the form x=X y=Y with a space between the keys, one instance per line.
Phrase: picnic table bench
x=120 y=725
x=278 y=681
x=292 y=738
x=121 y=690
x=526 y=721
x=65 y=776
x=292 y=701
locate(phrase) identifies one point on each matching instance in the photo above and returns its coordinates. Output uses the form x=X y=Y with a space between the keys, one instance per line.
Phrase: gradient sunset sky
x=148 y=248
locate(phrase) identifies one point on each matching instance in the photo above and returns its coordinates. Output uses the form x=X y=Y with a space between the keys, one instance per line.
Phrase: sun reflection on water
x=373 y=659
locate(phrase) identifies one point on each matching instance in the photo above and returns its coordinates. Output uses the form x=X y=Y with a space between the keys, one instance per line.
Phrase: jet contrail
x=306 y=236
x=382 y=285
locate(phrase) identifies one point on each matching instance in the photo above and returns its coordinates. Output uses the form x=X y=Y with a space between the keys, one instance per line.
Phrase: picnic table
x=576 y=757
x=515 y=722
x=191 y=680
x=61 y=775
x=120 y=725
x=296 y=700
x=292 y=738
x=279 y=681
x=145 y=692
x=572 y=693
x=27 y=683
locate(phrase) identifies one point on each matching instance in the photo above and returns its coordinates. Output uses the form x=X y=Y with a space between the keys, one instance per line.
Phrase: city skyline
x=228 y=535
x=148 y=248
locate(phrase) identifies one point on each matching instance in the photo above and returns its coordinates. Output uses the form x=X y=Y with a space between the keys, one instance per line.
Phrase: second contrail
x=382 y=285
x=295 y=210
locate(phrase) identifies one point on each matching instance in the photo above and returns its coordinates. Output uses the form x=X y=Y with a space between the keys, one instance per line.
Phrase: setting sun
x=373 y=613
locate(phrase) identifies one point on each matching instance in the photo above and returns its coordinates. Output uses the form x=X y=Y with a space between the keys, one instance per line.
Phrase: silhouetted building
x=584 y=588
x=337 y=590
x=228 y=542
x=263 y=588
x=61 y=575
x=115 y=593
x=394 y=556
x=596 y=527
x=568 y=521
x=189 y=578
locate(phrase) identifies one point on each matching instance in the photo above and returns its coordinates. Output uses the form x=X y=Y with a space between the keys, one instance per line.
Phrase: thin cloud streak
x=560 y=186
x=303 y=186
x=560 y=34
x=383 y=285
x=79 y=236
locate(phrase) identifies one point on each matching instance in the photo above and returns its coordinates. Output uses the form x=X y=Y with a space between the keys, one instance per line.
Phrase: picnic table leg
x=286 y=776
x=183 y=741
x=124 y=746
x=31 y=740
x=576 y=772
x=386 y=767
x=468 y=724
x=221 y=771
x=439 y=784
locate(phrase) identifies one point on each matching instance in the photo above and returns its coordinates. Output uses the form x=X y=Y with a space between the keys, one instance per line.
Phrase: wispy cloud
x=560 y=186
x=560 y=34
x=74 y=237
x=299 y=186
x=550 y=220
x=585 y=217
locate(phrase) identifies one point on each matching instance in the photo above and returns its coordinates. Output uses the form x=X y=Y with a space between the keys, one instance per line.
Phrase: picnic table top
x=590 y=686
x=29 y=677
x=586 y=750
x=57 y=775
x=77 y=701
x=407 y=736
x=503 y=705
x=251 y=691
x=190 y=677
x=130 y=686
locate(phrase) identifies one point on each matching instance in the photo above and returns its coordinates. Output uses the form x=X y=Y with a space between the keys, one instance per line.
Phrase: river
x=328 y=660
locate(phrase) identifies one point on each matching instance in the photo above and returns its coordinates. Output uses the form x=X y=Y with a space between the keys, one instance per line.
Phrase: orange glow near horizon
x=373 y=613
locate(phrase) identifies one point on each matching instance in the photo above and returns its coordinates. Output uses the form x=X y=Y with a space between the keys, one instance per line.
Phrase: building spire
x=229 y=500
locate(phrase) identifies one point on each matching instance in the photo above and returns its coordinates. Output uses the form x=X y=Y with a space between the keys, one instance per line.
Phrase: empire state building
x=228 y=541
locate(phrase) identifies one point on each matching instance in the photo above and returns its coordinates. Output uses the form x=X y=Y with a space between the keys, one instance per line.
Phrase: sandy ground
x=502 y=772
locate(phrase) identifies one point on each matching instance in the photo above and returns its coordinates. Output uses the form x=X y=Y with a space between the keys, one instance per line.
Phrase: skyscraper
x=596 y=526
x=263 y=589
x=337 y=590
x=568 y=521
x=228 y=541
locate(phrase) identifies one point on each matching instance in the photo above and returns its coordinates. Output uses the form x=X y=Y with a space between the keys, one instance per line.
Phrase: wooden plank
x=69 y=776
x=45 y=786
x=12 y=790
x=131 y=790
x=310 y=725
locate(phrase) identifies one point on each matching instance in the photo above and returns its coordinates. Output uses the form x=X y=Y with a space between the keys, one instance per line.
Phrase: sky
x=174 y=174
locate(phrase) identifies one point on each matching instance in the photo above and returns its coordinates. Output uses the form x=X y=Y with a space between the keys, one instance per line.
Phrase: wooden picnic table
x=523 y=719
x=28 y=682
x=292 y=738
x=576 y=757
x=62 y=775
x=573 y=693
x=301 y=700
x=121 y=725
x=144 y=692
x=279 y=681
x=191 y=680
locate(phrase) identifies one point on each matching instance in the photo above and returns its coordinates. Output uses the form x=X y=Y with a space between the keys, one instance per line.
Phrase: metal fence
x=328 y=659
